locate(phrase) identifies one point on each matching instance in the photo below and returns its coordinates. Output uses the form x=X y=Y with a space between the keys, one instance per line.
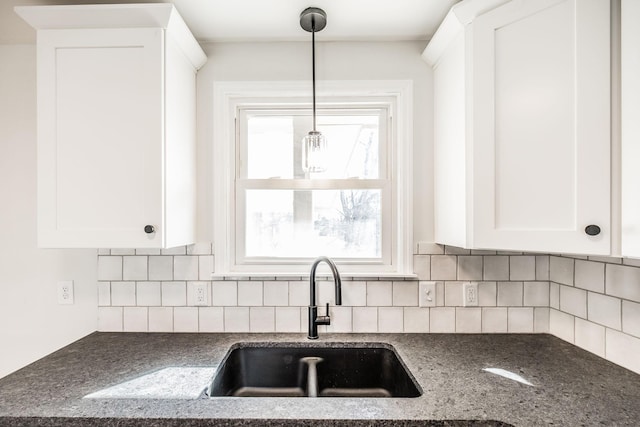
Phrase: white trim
x=226 y=95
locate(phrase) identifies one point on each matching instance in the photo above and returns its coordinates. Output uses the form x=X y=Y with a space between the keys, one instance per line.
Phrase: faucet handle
x=327 y=310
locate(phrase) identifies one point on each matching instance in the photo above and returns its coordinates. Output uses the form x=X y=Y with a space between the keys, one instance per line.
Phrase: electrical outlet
x=200 y=294
x=470 y=294
x=427 y=294
x=65 y=292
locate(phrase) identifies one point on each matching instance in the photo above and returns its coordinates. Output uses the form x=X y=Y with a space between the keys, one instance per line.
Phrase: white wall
x=32 y=325
x=334 y=61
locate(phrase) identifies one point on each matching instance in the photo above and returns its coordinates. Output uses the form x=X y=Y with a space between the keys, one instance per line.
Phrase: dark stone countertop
x=571 y=387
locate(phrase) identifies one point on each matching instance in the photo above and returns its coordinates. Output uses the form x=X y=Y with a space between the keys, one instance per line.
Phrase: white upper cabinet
x=116 y=125
x=630 y=122
x=522 y=126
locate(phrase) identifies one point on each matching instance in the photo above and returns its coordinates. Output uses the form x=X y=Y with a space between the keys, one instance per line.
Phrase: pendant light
x=314 y=145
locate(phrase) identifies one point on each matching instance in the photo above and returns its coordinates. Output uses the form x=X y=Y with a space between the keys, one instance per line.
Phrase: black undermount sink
x=319 y=369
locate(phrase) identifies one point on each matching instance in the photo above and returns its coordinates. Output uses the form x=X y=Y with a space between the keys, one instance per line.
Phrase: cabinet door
x=541 y=126
x=630 y=121
x=100 y=139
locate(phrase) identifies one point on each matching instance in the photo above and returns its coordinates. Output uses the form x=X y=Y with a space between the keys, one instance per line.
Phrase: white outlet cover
x=470 y=294
x=427 y=294
x=199 y=295
x=65 y=292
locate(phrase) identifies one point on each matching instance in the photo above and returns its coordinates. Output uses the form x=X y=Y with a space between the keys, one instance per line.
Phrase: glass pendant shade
x=314 y=152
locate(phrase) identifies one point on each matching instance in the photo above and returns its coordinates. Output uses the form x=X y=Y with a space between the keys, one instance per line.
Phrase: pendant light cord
x=313 y=66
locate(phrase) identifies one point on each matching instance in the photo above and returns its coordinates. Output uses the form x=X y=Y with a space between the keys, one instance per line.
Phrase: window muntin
x=287 y=216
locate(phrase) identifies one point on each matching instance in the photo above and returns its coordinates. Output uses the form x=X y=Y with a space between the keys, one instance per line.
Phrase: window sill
x=320 y=276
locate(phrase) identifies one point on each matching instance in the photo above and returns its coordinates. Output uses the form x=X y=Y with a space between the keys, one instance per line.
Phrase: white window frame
x=397 y=94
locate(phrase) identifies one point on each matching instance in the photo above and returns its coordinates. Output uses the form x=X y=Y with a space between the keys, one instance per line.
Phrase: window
x=277 y=218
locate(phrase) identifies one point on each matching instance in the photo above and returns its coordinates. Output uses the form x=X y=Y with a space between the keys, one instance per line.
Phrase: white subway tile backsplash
x=340 y=319
x=276 y=293
x=211 y=319
x=443 y=267
x=605 y=310
x=160 y=268
x=510 y=294
x=249 y=293
x=422 y=266
x=262 y=319
x=205 y=267
x=468 y=320
x=103 y=251
x=631 y=318
x=148 y=294
x=522 y=267
x=288 y=319
x=199 y=249
x=623 y=281
x=453 y=294
x=405 y=293
x=104 y=294
x=542 y=267
x=427 y=248
x=631 y=261
x=299 y=293
x=119 y=251
x=470 y=267
x=148 y=251
x=590 y=336
x=325 y=292
x=562 y=325
x=554 y=295
x=454 y=250
x=590 y=276
x=224 y=293
x=109 y=268
x=623 y=349
x=134 y=268
x=442 y=319
x=379 y=294
x=390 y=319
x=487 y=294
x=494 y=319
x=110 y=319
x=123 y=293
x=160 y=319
x=561 y=270
x=174 y=293
x=365 y=319
x=354 y=294
x=178 y=250
x=135 y=319
x=236 y=319
x=573 y=301
x=416 y=319
x=185 y=268
x=520 y=319
x=536 y=294
x=496 y=267
x=541 y=320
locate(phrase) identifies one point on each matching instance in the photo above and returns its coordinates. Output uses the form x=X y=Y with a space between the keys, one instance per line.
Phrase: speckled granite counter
x=570 y=387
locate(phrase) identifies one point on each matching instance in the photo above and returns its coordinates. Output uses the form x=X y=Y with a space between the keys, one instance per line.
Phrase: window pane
x=308 y=223
x=274 y=144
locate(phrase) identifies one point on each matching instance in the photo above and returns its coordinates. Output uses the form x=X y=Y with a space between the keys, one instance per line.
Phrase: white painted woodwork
x=630 y=122
x=116 y=130
x=522 y=128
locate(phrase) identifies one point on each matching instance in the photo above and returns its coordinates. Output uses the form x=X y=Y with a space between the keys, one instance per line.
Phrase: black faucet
x=314 y=319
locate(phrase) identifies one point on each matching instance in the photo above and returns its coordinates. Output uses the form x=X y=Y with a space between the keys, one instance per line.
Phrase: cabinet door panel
x=541 y=123
x=100 y=179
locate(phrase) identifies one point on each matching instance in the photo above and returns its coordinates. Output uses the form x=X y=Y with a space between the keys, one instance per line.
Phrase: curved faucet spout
x=314 y=319
x=336 y=279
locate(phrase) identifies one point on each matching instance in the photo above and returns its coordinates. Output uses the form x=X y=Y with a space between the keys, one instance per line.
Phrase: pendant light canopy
x=314 y=145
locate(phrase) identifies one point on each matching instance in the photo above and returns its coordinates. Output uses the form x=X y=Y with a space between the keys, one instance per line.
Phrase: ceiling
x=273 y=20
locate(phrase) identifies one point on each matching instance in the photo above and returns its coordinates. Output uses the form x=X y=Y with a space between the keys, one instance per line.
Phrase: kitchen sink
x=313 y=370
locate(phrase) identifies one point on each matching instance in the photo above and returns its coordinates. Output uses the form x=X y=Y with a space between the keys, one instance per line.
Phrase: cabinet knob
x=592 y=230
x=149 y=229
